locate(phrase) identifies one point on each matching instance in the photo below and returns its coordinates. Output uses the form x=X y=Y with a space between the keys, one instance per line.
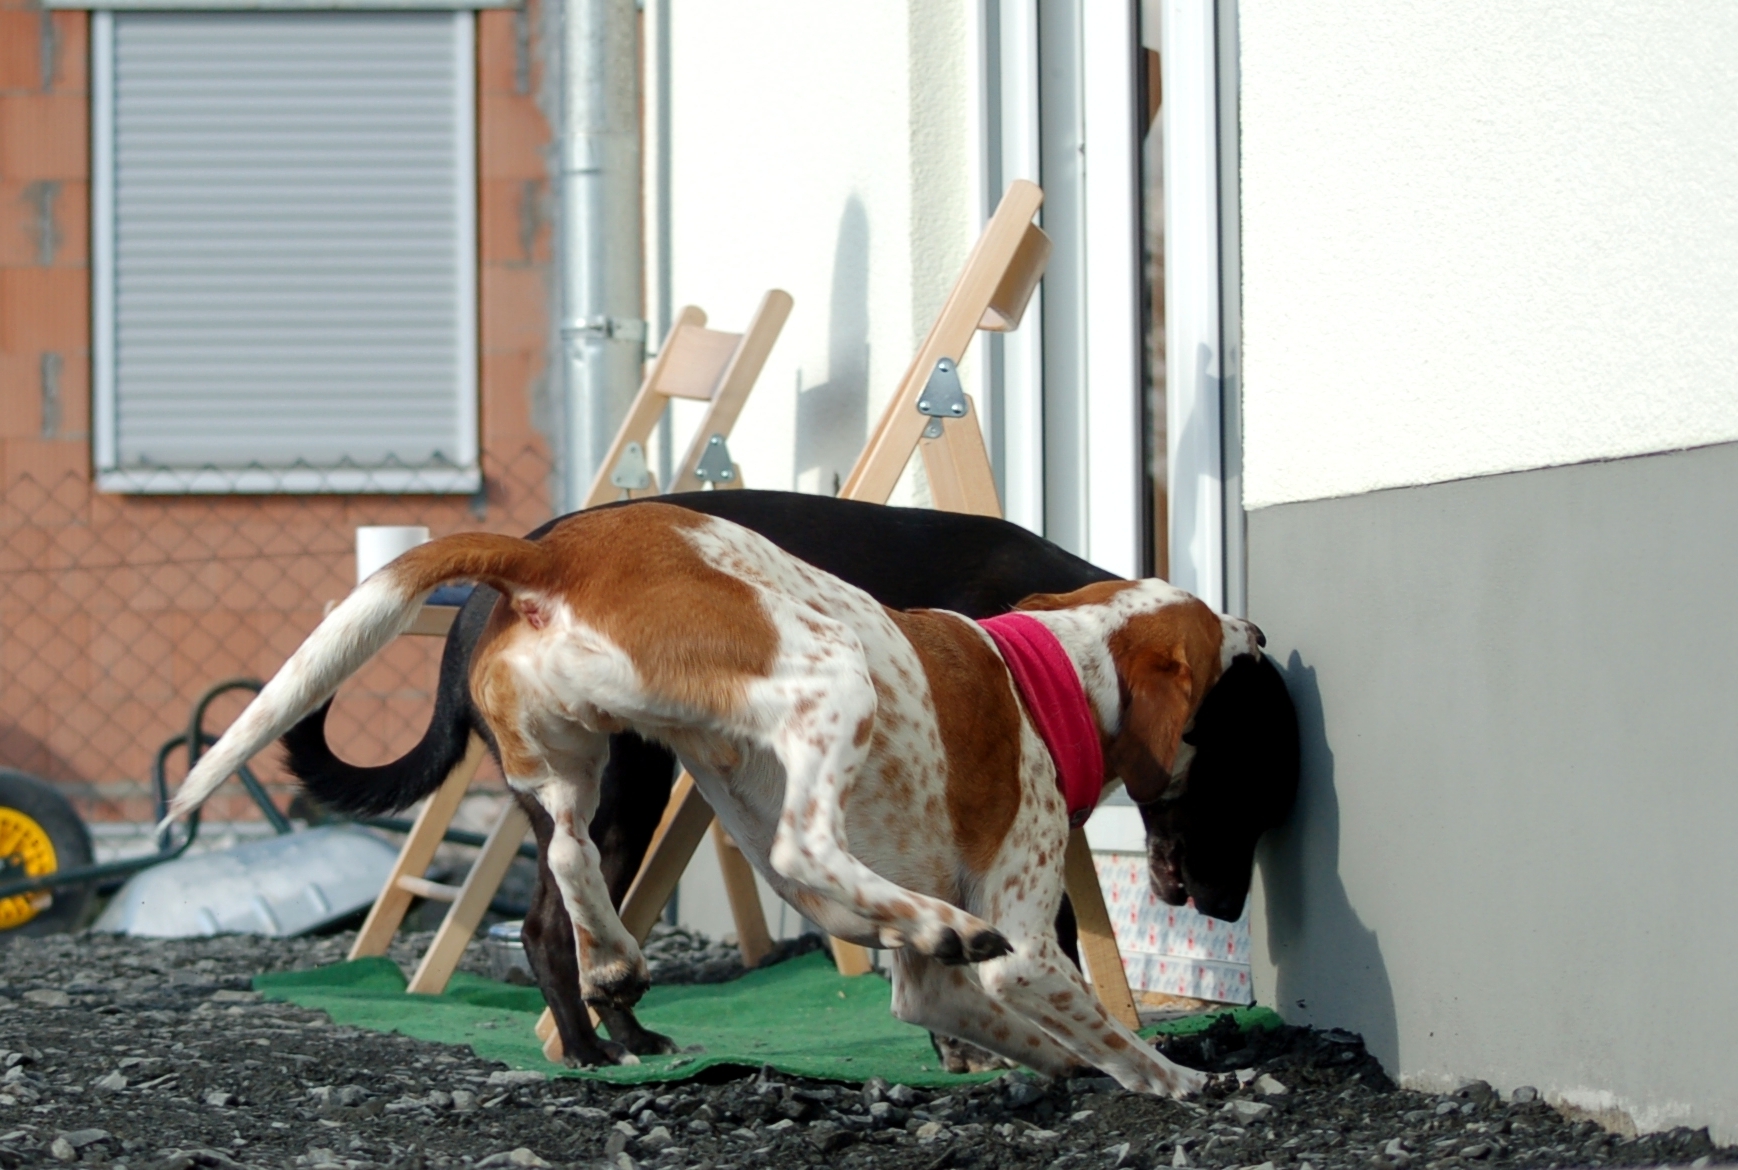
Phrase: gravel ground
x=144 y=1054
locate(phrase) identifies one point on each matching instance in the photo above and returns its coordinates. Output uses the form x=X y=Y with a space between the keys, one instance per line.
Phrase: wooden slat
x=958 y=467
x=426 y=834
x=734 y=384
x=1097 y=937
x=694 y=363
x=686 y=818
x=433 y=621
x=448 y=947
x=752 y=936
x=1008 y=303
x=643 y=415
x=433 y=891
x=900 y=426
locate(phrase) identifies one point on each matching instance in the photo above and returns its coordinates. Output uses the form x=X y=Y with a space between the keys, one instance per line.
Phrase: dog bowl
x=506 y=953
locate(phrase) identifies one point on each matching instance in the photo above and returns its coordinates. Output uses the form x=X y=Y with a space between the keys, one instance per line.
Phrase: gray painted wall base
x=1514 y=856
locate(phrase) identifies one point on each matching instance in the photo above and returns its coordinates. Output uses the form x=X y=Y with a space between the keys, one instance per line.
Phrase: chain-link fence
x=116 y=612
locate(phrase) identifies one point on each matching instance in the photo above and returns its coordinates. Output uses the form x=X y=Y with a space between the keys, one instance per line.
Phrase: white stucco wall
x=1482 y=235
x=826 y=147
x=822 y=148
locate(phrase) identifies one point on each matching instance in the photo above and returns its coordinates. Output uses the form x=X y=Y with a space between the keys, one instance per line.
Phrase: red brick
x=44 y=136
x=17 y=224
x=72 y=223
x=75 y=396
x=20 y=396
x=72 y=56
x=21 y=51
x=516 y=225
x=499 y=231
x=512 y=136
x=497 y=52
x=49 y=463
x=515 y=308
x=44 y=309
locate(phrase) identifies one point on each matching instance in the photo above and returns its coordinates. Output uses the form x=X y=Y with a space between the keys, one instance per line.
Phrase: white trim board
x=1193 y=341
x=276 y=5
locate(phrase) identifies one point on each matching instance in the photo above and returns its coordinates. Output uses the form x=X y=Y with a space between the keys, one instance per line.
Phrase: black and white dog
x=1201 y=836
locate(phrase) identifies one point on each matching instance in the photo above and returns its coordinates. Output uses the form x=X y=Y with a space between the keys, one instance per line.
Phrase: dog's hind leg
x=612 y=972
x=822 y=737
x=949 y=1000
x=549 y=948
x=554 y=958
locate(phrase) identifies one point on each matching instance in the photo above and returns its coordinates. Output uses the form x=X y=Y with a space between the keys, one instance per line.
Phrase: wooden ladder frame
x=694 y=363
x=991 y=293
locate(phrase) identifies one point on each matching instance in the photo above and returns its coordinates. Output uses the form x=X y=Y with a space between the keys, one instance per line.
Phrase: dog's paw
x=961 y=1056
x=648 y=1043
x=631 y=1035
x=1184 y=1082
x=615 y=985
x=956 y=949
x=598 y=1053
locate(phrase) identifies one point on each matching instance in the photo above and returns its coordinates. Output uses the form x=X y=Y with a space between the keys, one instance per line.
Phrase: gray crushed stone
x=156 y=1055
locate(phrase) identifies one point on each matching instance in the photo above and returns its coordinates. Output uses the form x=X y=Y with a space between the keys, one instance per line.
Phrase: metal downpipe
x=603 y=336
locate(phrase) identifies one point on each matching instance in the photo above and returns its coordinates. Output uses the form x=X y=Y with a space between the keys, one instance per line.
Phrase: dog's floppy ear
x=1159 y=686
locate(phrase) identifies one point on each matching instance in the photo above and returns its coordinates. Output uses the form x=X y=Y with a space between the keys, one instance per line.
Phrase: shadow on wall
x=1330 y=972
x=833 y=416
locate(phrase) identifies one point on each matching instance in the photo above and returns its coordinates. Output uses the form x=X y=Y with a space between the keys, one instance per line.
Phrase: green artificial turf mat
x=801 y=1017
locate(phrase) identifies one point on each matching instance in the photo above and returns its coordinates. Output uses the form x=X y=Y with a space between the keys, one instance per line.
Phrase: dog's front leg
x=1038 y=982
x=949 y=1001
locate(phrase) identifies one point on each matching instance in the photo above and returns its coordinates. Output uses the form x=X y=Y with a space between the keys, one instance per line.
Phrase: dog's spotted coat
x=876 y=766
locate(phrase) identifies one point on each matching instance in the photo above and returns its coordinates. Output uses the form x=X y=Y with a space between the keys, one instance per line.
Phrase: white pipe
x=602 y=332
x=1110 y=212
x=1192 y=339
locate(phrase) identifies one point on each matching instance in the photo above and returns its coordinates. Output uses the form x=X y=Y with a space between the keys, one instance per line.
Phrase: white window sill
x=299 y=481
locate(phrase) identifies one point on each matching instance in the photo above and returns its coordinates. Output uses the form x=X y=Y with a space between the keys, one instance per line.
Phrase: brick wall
x=116 y=611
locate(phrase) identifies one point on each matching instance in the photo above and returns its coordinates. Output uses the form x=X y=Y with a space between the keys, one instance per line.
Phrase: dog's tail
x=376 y=612
x=359 y=790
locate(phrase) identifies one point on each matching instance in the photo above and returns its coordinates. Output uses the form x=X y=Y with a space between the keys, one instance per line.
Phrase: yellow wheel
x=26 y=850
x=40 y=833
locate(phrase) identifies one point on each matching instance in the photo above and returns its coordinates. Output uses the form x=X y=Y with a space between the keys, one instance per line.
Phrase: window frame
x=462 y=477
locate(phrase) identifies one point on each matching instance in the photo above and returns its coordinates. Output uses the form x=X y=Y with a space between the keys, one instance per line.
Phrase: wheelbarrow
x=295 y=882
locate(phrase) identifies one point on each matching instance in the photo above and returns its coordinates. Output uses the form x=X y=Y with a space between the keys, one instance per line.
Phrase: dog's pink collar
x=1047 y=681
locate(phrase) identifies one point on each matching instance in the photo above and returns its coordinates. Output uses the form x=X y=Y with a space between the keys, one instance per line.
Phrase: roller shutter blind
x=284 y=223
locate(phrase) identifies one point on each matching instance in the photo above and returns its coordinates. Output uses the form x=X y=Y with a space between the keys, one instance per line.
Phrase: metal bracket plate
x=631 y=472
x=942 y=397
x=715 y=466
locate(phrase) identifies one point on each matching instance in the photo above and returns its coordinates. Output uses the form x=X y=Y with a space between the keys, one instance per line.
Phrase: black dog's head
x=1241 y=782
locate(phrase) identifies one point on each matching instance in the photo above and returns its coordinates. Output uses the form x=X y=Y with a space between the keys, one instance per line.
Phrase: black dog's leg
x=1068 y=930
x=549 y=948
x=635 y=788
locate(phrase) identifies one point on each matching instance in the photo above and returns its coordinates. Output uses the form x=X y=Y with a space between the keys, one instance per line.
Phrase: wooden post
x=499 y=850
x=1097 y=936
x=752 y=936
x=426 y=834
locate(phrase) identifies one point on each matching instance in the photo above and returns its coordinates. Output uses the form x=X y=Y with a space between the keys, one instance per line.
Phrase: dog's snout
x=1260 y=638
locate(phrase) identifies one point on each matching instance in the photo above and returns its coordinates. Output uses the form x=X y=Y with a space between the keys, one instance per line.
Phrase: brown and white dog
x=876 y=766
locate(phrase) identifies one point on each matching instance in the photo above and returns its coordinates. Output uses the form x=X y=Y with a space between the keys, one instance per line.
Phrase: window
x=284 y=253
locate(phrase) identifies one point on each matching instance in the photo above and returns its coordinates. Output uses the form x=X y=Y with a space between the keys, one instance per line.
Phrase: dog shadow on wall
x=1329 y=967
x=833 y=415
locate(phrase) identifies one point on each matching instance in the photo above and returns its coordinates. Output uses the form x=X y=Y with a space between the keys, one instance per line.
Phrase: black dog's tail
x=355 y=790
